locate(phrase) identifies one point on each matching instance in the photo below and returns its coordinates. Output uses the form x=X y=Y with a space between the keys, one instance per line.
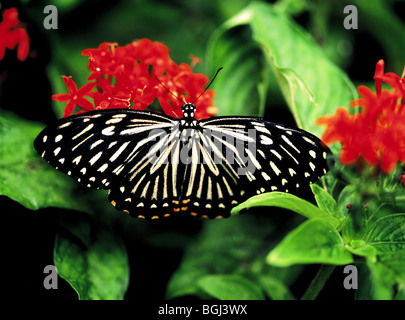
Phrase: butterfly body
x=156 y=166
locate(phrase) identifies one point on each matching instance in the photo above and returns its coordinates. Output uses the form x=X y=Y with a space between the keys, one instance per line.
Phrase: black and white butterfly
x=157 y=166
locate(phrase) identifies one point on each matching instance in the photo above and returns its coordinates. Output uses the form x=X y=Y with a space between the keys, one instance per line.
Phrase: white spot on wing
x=309 y=140
x=263 y=129
x=95 y=144
x=77 y=159
x=89 y=127
x=103 y=168
x=265 y=140
x=265 y=176
x=276 y=154
x=290 y=143
x=65 y=125
x=114 y=120
x=119 y=151
x=95 y=158
x=292 y=172
x=109 y=131
x=275 y=168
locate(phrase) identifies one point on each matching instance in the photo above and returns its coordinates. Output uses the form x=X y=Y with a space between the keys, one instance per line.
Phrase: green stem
x=318 y=282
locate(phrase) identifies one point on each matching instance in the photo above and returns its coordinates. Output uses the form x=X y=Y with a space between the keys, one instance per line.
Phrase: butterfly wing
x=265 y=156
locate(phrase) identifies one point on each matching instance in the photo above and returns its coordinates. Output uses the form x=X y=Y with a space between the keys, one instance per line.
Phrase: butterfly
x=157 y=166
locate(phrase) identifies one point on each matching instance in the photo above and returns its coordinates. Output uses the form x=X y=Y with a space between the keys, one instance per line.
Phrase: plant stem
x=318 y=282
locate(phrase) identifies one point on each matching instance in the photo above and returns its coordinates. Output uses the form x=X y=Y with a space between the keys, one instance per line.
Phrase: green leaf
x=294 y=58
x=386 y=275
x=394 y=263
x=326 y=202
x=314 y=241
x=92 y=259
x=229 y=246
x=287 y=201
x=230 y=287
x=275 y=289
x=25 y=177
x=231 y=97
x=387 y=234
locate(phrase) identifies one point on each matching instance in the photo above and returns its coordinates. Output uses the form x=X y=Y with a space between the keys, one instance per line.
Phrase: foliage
x=275 y=63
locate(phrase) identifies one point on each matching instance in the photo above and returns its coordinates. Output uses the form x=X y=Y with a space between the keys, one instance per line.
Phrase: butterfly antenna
x=160 y=82
x=206 y=88
x=175 y=115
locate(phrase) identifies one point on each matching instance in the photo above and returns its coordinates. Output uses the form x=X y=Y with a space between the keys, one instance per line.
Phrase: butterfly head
x=188 y=110
x=188 y=119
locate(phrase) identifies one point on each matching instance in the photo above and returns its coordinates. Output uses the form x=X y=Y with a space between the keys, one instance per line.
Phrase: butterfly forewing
x=94 y=148
x=156 y=166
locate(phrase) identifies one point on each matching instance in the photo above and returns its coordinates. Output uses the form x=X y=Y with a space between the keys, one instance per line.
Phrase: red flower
x=75 y=97
x=12 y=34
x=194 y=60
x=111 y=97
x=377 y=133
x=125 y=77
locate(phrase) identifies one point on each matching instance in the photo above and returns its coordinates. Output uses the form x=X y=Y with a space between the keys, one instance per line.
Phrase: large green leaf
x=25 y=177
x=311 y=84
x=314 y=241
x=230 y=287
x=92 y=259
x=287 y=201
x=240 y=87
x=387 y=234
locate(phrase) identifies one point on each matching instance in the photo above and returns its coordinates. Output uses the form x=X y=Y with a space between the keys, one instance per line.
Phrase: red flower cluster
x=377 y=133
x=13 y=34
x=125 y=77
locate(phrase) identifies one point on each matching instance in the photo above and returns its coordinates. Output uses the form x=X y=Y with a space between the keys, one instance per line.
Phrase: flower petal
x=70 y=106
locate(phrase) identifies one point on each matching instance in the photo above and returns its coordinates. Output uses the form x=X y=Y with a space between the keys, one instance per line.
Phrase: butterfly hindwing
x=151 y=188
